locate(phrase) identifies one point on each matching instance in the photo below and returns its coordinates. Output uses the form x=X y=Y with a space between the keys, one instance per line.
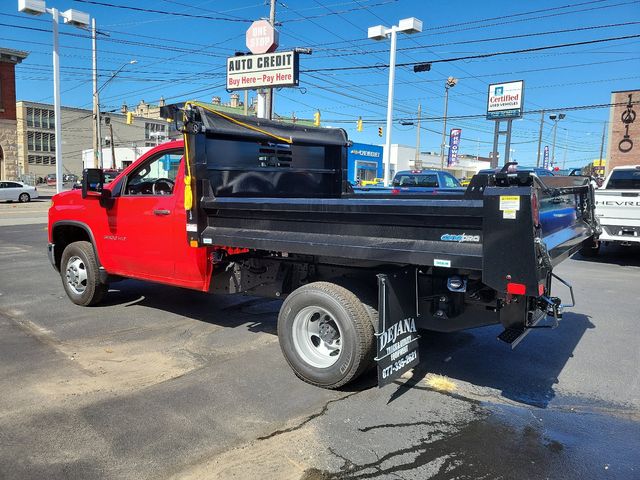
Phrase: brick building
x=8 y=139
x=623 y=146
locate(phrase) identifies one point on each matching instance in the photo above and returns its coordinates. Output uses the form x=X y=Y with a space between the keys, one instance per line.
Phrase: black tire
x=24 y=197
x=590 y=250
x=353 y=321
x=80 y=274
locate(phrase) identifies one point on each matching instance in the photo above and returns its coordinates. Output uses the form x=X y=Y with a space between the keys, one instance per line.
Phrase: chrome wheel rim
x=23 y=197
x=317 y=337
x=76 y=274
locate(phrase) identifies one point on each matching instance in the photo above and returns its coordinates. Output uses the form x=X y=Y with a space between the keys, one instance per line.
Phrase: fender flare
x=74 y=223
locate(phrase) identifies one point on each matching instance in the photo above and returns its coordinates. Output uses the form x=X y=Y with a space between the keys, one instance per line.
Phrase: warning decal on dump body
x=509 y=202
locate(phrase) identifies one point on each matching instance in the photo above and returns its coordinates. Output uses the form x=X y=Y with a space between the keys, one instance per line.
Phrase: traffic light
x=379 y=131
x=129 y=118
x=316 y=119
x=359 y=124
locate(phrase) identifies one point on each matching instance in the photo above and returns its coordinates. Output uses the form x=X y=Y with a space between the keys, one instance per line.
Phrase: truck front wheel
x=80 y=275
x=326 y=334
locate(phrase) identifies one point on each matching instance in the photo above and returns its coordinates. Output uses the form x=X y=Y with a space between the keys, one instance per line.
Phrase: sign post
x=505 y=101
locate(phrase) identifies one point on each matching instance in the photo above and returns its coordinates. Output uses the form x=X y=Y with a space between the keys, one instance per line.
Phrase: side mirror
x=92 y=182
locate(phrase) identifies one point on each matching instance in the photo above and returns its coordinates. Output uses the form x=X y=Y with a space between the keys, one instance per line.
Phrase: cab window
x=156 y=176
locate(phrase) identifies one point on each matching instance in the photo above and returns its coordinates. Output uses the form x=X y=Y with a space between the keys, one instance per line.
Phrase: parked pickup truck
x=250 y=206
x=414 y=181
x=618 y=208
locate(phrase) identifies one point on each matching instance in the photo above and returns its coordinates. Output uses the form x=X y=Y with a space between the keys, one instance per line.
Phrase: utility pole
x=97 y=124
x=555 y=118
x=418 y=162
x=272 y=21
x=540 y=137
x=566 y=142
x=604 y=131
x=113 y=148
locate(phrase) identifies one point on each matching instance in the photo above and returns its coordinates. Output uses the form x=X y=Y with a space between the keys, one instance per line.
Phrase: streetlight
x=72 y=17
x=555 y=118
x=380 y=32
x=97 y=143
x=450 y=83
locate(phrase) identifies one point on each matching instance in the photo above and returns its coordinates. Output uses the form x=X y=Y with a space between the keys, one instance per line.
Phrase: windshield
x=624 y=180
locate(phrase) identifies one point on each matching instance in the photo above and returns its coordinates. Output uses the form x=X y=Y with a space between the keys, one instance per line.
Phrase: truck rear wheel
x=80 y=275
x=326 y=334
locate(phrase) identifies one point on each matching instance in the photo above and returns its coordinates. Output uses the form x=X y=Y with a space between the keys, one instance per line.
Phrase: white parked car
x=18 y=191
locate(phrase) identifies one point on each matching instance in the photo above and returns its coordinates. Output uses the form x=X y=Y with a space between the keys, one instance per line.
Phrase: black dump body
x=267 y=186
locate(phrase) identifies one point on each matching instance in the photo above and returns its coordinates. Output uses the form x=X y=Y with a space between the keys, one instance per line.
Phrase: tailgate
x=618 y=207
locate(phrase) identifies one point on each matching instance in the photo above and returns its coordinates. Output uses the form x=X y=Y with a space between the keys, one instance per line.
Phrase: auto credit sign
x=277 y=69
x=505 y=100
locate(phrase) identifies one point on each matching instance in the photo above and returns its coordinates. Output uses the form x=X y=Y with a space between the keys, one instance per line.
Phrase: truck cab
x=135 y=223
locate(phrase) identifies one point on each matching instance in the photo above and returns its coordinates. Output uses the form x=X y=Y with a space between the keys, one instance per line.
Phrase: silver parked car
x=18 y=191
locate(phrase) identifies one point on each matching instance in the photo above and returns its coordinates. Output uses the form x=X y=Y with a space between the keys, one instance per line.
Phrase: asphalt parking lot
x=159 y=382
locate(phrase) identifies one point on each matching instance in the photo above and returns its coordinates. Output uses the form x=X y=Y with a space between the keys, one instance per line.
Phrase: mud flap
x=397 y=337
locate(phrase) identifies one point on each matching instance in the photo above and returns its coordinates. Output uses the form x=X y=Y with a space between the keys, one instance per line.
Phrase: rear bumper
x=620 y=233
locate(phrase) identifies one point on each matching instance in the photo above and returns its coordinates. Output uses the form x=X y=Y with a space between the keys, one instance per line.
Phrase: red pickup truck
x=256 y=207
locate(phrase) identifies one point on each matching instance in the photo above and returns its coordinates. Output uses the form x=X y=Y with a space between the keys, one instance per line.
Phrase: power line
x=502 y=17
x=457 y=117
x=228 y=18
x=492 y=39
x=470 y=57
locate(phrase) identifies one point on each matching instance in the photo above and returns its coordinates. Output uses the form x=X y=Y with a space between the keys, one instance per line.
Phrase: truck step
x=514 y=335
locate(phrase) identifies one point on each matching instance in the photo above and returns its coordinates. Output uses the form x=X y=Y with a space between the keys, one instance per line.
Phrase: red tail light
x=516 y=288
x=395 y=191
x=535 y=209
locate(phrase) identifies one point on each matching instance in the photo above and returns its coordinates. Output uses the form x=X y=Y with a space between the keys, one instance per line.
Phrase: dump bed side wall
x=411 y=231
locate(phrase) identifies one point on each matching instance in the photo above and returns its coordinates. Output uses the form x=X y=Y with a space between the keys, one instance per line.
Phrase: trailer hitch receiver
x=553 y=306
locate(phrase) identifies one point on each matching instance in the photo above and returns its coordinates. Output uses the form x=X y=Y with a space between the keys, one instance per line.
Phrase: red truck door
x=142 y=227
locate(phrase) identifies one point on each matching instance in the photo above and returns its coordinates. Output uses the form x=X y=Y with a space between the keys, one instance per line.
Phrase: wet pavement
x=165 y=383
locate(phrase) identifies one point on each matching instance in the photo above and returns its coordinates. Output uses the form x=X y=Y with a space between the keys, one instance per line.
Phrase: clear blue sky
x=183 y=57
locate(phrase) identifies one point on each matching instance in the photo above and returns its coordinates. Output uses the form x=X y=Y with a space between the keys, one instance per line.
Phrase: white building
x=125 y=156
x=403 y=158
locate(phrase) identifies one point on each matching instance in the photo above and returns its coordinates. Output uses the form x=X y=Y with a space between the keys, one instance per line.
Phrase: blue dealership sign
x=364 y=162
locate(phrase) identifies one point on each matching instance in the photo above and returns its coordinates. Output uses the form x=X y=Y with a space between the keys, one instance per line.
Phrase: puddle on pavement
x=505 y=443
x=483 y=449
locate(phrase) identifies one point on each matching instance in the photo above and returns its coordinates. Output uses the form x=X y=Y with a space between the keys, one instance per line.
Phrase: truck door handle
x=161 y=212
